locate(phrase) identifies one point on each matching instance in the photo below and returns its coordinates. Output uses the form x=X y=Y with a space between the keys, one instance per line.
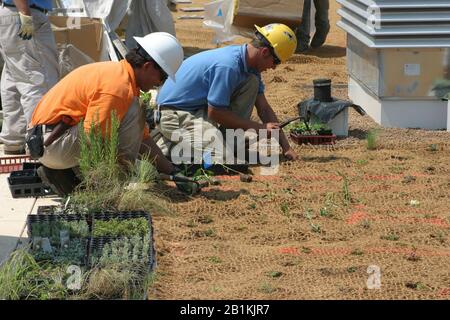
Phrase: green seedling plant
x=267 y=288
x=202 y=174
x=325 y=212
x=433 y=148
x=352 y=269
x=371 y=140
x=112 y=283
x=303 y=128
x=275 y=274
x=126 y=253
x=102 y=183
x=285 y=209
x=391 y=237
x=146 y=170
x=22 y=278
x=306 y=250
x=121 y=228
x=315 y=227
x=72 y=253
x=345 y=189
x=362 y=162
x=357 y=252
x=205 y=220
x=145 y=98
x=215 y=260
x=51 y=229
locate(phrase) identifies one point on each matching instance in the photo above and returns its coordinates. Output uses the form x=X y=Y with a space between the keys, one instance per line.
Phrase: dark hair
x=135 y=59
x=258 y=43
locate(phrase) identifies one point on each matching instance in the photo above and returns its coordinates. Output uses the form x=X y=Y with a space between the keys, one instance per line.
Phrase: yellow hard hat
x=281 y=38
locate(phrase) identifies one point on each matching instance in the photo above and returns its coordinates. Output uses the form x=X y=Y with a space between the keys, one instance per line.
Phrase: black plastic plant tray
x=33 y=190
x=24 y=177
x=97 y=243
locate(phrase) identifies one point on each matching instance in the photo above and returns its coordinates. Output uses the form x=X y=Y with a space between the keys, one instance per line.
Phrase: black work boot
x=63 y=182
x=320 y=37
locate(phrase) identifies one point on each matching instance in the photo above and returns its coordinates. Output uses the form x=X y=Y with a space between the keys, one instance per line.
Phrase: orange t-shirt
x=90 y=92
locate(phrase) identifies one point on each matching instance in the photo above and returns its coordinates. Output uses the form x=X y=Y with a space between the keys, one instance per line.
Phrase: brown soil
x=312 y=231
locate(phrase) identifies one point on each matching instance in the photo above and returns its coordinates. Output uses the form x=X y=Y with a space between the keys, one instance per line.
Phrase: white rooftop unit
x=396 y=52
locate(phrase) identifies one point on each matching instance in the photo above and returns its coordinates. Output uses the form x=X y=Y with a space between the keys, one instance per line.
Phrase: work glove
x=190 y=188
x=26 y=27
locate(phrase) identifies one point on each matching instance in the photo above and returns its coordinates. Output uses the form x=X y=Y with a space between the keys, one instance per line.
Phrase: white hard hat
x=165 y=49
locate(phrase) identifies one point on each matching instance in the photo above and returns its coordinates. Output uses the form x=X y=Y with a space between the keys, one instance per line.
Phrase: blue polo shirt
x=209 y=77
x=44 y=4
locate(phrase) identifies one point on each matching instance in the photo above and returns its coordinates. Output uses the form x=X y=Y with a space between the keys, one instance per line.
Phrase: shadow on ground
x=327 y=51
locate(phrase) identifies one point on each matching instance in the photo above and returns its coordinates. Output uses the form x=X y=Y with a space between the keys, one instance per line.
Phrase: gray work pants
x=30 y=70
x=322 y=21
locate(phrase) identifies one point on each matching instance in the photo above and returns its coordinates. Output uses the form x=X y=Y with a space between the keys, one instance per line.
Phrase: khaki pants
x=192 y=126
x=64 y=153
x=30 y=70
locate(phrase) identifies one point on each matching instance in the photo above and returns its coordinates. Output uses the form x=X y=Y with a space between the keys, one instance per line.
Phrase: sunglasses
x=276 y=61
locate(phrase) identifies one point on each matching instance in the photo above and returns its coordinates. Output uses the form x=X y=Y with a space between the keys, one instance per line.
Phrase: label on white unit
x=412 y=69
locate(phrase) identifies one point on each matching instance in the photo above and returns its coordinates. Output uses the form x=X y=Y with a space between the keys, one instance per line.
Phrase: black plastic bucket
x=322 y=90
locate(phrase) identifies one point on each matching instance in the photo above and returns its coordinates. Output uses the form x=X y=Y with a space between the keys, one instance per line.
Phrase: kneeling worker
x=218 y=90
x=93 y=93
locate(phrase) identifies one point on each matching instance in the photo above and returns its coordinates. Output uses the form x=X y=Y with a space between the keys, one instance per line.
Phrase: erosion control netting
x=253 y=240
x=321 y=229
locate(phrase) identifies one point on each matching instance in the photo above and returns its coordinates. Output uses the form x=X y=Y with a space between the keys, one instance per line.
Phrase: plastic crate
x=315 y=140
x=24 y=177
x=30 y=190
x=9 y=164
x=26 y=184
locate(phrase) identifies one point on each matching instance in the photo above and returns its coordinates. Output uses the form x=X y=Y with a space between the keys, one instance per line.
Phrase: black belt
x=33 y=6
x=169 y=108
x=173 y=108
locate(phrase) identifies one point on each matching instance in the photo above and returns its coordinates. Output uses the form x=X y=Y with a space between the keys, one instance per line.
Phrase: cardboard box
x=262 y=12
x=84 y=33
